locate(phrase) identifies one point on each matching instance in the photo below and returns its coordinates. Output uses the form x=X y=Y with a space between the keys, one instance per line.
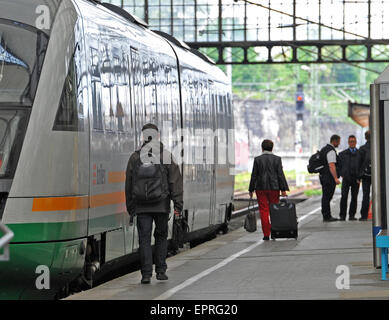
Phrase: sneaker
x=162 y=276
x=342 y=219
x=330 y=219
x=351 y=219
x=145 y=280
x=265 y=238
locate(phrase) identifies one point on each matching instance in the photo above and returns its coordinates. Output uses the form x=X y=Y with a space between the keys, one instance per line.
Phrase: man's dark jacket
x=175 y=184
x=350 y=164
x=366 y=160
x=267 y=174
x=325 y=173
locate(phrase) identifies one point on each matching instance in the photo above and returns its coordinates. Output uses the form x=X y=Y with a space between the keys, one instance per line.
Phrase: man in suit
x=267 y=180
x=350 y=164
x=365 y=176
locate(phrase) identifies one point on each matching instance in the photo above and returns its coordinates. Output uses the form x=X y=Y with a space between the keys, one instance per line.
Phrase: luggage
x=250 y=223
x=283 y=220
x=180 y=229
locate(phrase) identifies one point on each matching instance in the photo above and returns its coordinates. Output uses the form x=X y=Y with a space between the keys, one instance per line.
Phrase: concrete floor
x=282 y=269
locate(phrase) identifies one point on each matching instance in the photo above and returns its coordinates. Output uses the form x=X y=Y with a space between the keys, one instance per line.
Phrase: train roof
x=187 y=56
x=125 y=14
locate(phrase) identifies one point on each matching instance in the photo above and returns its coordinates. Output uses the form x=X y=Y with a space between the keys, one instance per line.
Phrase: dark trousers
x=145 y=225
x=328 y=186
x=366 y=183
x=348 y=184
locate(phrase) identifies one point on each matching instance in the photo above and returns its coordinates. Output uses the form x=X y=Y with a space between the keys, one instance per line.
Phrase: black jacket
x=325 y=173
x=350 y=164
x=175 y=184
x=267 y=174
x=366 y=160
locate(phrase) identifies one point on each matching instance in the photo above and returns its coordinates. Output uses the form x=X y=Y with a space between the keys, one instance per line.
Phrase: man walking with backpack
x=153 y=179
x=329 y=176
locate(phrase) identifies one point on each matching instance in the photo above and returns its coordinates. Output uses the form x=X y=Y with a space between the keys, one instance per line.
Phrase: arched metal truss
x=273 y=31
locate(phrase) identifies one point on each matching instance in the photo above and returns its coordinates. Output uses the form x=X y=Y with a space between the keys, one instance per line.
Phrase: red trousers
x=265 y=199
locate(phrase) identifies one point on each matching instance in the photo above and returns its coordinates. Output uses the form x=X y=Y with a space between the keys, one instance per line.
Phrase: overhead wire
x=320 y=24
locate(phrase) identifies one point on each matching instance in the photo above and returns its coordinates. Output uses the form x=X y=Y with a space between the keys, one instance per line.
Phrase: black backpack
x=149 y=182
x=316 y=162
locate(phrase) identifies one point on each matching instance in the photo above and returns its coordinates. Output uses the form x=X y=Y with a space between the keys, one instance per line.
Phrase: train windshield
x=13 y=123
x=22 y=51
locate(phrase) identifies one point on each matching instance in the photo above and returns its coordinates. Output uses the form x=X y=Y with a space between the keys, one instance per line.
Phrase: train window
x=225 y=103
x=229 y=104
x=96 y=90
x=123 y=98
x=96 y=106
x=149 y=89
x=138 y=92
x=106 y=69
x=220 y=103
x=95 y=72
x=117 y=69
x=108 y=88
x=153 y=92
x=111 y=123
x=69 y=115
x=120 y=115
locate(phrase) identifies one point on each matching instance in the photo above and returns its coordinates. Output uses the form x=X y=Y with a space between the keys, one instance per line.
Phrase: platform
x=239 y=265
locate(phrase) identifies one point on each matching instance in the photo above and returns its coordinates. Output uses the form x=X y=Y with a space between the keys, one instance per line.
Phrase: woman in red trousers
x=267 y=180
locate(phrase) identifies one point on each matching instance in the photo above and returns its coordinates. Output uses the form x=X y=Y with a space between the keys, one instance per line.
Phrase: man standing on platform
x=366 y=176
x=329 y=177
x=350 y=168
x=267 y=180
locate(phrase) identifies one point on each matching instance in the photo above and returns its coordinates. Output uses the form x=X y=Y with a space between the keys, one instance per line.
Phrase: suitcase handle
x=251 y=203
x=284 y=200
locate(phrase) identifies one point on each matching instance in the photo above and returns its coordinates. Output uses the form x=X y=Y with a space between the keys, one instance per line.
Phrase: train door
x=130 y=143
x=106 y=213
x=137 y=109
x=143 y=98
x=214 y=126
x=137 y=94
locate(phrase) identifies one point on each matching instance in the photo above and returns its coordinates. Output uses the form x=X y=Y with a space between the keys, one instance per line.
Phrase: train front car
x=44 y=173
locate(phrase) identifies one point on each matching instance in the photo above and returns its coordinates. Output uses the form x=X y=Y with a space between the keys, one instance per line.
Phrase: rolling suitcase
x=283 y=220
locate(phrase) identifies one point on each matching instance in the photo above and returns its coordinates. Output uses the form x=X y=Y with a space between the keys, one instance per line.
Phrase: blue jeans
x=145 y=225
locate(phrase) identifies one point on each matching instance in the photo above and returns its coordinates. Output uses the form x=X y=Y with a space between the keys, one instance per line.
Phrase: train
x=378 y=120
x=78 y=80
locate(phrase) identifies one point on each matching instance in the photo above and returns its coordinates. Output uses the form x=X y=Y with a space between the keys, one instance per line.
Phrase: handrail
x=4 y=241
